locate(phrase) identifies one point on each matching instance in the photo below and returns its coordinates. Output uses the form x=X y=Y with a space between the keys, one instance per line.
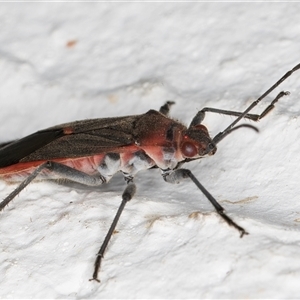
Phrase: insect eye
x=188 y=149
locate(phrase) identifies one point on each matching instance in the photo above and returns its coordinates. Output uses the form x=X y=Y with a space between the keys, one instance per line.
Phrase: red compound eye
x=188 y=149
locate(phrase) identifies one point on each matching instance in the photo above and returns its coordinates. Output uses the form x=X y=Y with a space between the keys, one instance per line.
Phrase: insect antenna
x=231 y=127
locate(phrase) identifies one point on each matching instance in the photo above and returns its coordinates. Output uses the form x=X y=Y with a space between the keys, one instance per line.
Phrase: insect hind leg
x=62 y=172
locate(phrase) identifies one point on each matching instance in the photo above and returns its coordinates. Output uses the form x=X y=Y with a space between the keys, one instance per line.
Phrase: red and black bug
x=90 y=152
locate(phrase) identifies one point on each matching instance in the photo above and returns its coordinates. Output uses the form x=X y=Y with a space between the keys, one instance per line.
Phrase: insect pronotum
x=90 y=152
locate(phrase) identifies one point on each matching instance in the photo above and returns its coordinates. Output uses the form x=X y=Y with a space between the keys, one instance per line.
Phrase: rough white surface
x=61 y=62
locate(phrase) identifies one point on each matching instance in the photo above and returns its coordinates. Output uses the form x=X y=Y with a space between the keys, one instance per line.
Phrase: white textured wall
x=61 y=62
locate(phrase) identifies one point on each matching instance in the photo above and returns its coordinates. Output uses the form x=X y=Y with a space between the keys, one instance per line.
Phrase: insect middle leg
x=62 y=172
x=127 y=196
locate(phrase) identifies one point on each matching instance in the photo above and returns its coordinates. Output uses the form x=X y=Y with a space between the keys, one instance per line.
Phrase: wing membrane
x=77 y=139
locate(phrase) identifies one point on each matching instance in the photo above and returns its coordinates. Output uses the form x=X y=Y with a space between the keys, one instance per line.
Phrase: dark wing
x=6 y=143
x=77 y=139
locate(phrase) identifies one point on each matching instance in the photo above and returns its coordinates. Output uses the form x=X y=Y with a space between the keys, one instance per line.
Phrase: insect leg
x=23 y=184
x=178 y=175
x=127 y=196
x=165 y=109
x=219 y=137
x=63 y=172
x=254 y=117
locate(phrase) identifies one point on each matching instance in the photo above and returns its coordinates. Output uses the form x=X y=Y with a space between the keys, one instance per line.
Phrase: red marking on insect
x=90 y=152
x=68 y=130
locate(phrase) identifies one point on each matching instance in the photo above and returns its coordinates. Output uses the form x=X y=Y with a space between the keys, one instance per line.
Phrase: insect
x=90 y=152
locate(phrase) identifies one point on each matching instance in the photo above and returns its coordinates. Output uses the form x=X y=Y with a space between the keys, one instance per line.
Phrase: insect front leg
x=254 y=117
x=127 y=196
x=62 y=172
x=176 y=176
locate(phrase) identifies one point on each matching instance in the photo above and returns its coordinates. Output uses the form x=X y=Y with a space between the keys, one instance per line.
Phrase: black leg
x=127 y=196
x=61 y=171
x=180 y=174
x=23 y=184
